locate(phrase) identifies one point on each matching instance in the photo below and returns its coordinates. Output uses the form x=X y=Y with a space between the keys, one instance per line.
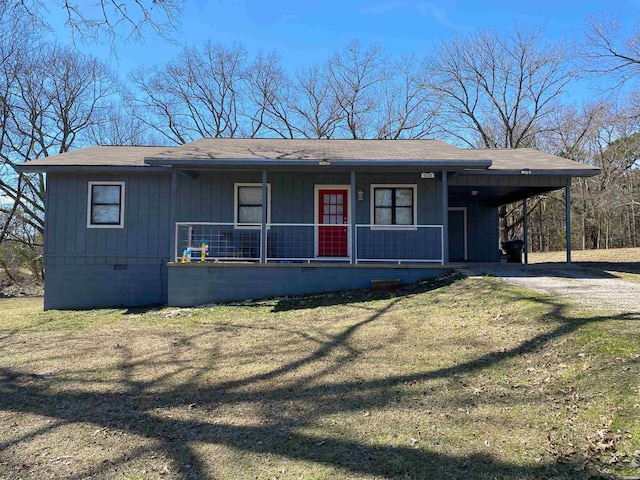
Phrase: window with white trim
x=105 y=205
x=248 y=204
x=393 y=205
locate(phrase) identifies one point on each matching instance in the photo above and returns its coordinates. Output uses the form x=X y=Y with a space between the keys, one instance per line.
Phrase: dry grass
x=623 y=263
x=611 y=255
x=467 y=378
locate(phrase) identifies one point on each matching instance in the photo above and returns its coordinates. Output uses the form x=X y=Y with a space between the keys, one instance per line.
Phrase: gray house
x=228 y=219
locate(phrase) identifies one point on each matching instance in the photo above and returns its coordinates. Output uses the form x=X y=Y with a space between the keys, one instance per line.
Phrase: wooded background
x=488 y=89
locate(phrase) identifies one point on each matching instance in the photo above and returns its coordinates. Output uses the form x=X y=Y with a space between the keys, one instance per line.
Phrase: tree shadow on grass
x=579 y=270
x=346 y=297
x=141 y=310
x=621 y=267
x=282 y=433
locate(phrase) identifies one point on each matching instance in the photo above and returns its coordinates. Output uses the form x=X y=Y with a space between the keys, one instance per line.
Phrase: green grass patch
x=454 y=378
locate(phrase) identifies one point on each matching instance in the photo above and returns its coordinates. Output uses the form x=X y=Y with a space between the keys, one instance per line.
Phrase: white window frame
x=372 y=201
x=249 y=226
x=90 y=202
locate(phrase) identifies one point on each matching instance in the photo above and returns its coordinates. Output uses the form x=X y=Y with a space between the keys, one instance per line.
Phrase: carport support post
x=525 y=212
x=263 y=226
x=567 y=194
x=445 y=218
x=352 y=208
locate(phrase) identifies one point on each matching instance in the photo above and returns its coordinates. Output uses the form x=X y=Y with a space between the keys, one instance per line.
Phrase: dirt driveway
x=586 y=285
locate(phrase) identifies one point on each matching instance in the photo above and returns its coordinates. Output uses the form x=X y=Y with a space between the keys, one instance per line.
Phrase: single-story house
x=228 y=219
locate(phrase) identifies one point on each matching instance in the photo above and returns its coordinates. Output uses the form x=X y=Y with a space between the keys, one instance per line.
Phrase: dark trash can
x=513 y=249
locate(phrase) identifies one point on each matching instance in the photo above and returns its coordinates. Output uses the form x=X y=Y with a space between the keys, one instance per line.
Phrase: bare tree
x=608 y=51
x=407 y=108
x=605 y=135
x=116 y=126
x=196 y=95
x=316 y=109
x=497 y=89
x=53 y=96
x=355 y=78
x=267 y=92
x=89 y=21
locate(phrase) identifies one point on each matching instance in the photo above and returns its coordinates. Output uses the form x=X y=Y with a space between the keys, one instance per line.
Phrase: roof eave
x=27 y=168
x=252 y=163
x=565 y=172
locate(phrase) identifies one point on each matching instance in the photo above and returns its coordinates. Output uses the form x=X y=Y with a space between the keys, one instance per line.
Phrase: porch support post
x=567 y=194
x=352 y=209
x=445 y=218
x=263 y=226
x=525 y=212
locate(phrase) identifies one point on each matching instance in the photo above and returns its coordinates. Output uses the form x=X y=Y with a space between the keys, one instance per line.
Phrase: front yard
x=458 y=378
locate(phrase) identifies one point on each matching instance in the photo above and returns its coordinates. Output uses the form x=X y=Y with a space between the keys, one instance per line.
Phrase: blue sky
x=305 y=32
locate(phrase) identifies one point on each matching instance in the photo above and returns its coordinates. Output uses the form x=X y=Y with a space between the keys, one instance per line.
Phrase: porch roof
x=235 y=153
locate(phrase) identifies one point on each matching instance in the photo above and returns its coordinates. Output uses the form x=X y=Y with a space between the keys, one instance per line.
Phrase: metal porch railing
x=308 y=242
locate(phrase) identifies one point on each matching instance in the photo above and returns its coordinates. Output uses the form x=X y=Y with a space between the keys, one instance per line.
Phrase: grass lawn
x=457 y=378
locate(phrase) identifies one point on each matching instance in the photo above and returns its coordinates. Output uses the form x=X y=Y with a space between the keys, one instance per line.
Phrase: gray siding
x=209 y=197
x=482 y=231
x=461 y=179
x=96 y=286
x=144 y=239
x=143 y=245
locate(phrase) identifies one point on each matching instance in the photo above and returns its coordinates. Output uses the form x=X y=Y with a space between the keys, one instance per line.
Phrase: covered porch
x=353 y=216
x=317 y=234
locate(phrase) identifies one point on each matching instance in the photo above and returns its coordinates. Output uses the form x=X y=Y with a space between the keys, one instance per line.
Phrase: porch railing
x=309 y=242
x=411 y=244
x=223 y=241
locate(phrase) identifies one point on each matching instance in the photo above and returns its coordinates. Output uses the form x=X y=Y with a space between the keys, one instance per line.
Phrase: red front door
x=333 y=219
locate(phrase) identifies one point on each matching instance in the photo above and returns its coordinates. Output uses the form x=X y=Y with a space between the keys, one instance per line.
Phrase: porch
x=217 y=262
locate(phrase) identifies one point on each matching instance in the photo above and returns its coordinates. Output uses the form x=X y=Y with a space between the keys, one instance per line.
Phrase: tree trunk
x=503 y=222
x=633 y=242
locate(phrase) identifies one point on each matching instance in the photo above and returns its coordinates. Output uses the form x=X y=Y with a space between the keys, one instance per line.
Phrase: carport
x=517 y=175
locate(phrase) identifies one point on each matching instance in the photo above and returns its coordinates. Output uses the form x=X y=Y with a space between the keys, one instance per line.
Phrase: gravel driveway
x=593 y=288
